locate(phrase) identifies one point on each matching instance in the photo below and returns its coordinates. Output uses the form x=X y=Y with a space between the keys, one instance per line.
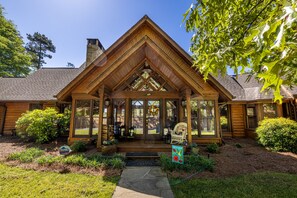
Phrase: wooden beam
x=189 y=123
x=101 y=109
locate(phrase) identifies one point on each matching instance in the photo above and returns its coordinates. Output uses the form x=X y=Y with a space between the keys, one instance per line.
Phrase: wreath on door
x=153 y=110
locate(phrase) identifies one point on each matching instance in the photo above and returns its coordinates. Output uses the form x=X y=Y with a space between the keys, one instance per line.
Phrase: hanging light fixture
x=147 y=68
x=107 y=102
x=184 y=103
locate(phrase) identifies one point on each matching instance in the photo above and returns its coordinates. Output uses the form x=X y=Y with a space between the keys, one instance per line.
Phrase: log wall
x=14 y=111
x=238 y=120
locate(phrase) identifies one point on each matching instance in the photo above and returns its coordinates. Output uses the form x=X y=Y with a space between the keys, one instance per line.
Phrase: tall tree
x=14 y=61
x=258 y=36
x=38 y=46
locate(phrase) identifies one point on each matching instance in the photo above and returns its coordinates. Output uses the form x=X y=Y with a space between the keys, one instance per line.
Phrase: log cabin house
x=145 y=81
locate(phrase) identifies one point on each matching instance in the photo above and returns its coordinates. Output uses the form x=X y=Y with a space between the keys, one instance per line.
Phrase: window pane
x=153 y=117
x=35 y=106
x=194 y=117
x=137 y=116
x=224 y=118
x=269 y=110
x=95 y=117
x=82 y=117
x=171 y=113
x=251 y=117
x=207 y=118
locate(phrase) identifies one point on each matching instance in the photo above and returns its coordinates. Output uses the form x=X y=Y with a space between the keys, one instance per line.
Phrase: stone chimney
x=94 y=50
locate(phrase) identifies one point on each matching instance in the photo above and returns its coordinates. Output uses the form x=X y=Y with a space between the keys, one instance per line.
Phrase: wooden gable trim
x=145 y=21
x=113 y=47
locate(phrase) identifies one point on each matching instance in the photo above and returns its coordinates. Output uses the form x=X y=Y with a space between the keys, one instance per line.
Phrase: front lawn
x=16 y=182
x=252 y=185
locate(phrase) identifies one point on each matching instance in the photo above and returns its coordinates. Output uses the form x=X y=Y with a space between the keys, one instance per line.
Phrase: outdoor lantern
x=107 y=102
x=131 y=131
x=184 y=103
x=147 y=68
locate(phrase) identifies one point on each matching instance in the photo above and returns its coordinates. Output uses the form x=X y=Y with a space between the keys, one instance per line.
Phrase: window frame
x=249 y=117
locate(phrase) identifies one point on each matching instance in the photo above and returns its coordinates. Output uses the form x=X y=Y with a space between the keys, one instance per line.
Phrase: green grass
x=27 y=155
x=97 y=160
x=16 y=182
x=254 y=185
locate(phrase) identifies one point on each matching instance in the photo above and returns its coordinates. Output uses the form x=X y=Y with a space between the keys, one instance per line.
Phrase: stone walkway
x=143 y=182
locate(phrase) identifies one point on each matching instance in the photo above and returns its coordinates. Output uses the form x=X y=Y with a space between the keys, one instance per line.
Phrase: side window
x=251 y=117
x=35 y=106
x=269 y=110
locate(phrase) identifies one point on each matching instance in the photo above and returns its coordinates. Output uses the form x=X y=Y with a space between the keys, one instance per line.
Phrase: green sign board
x=178 y=154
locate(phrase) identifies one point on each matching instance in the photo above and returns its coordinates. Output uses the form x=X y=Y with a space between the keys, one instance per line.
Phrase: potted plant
x=109 y=147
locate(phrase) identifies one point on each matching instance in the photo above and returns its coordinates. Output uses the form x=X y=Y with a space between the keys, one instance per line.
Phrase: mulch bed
x=230 y=161
x=10 y=144
x=250 y=158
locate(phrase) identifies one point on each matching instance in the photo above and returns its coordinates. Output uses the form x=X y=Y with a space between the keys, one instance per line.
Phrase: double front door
x=146 y=119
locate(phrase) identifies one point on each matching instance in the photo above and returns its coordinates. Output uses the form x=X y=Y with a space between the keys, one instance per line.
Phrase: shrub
x=192 y=163
x=95 y=161
x=79 y=146
x=27 y=155
x=279 y=134
x=48 y=159
x=212 y=148
x=40 y=125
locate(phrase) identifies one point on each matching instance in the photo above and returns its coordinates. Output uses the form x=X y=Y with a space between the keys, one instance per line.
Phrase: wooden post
x=72 y=120
x=189 y=122
x=101 y=109
x=279 y=110
x=127 y=110
x=217 y=117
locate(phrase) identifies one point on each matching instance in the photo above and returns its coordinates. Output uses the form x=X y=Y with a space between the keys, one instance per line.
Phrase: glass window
x=86 y=117
x=35 y=106
x=207 y=118
x=202 y=118
x=269 y=110
x=251 y=117
x=224 y=118
x=95 y=127
x=194 y=117
x=82 y=117
x=137 y=116
x=171 y=114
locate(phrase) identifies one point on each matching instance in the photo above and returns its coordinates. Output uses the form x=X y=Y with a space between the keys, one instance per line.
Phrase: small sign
x=64 y=150
x=178 y=154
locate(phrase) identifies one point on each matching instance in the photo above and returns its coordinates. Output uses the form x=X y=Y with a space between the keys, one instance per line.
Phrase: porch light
x=107 y=102
x=184 y=103
x=147 y=68
x=131 y=131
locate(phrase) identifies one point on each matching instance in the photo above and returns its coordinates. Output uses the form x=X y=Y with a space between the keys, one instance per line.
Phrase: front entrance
x=146 y=119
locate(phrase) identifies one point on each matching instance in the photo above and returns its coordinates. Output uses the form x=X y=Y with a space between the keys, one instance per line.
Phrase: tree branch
x=250 y=25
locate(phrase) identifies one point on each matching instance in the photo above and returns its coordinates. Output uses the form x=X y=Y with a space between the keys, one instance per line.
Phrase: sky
x=68 y=23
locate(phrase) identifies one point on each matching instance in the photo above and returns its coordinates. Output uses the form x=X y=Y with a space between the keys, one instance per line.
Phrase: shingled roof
x=41 y=85
x=246 y=88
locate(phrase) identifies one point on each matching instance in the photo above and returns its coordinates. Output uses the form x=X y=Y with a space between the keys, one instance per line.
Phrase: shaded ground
x=250 y=158
x=10 y=144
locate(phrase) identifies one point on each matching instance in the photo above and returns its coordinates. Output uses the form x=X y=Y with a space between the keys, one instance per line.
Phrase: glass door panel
x=153 y=117
x=171 y=113
x=138 y=116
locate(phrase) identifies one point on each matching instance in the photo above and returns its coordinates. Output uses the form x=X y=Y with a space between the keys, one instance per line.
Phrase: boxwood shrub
x=40 y=125
x=279 y=134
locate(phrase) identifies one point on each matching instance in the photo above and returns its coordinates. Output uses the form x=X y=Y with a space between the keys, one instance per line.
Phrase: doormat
x=142 y=154
x=143 y=162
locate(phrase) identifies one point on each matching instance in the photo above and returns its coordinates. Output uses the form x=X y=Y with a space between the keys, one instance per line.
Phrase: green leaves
x=256 y=35
x=14 y=61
